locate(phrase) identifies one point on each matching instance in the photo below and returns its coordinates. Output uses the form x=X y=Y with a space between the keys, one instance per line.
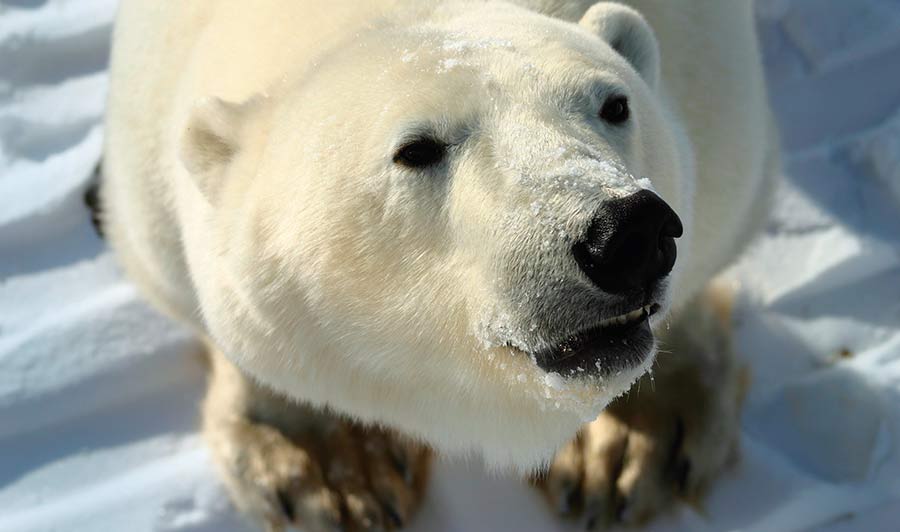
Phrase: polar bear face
x=435 y=225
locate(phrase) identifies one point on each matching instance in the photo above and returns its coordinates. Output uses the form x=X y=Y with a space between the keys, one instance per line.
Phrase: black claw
x=402 y=466
x=682 y=472
x=621 y=508
x=597 y=512
x=568 y=503
x=596 y=517
x=287 y=506
x=679 y=466
x=678 y=437
x=393 y=516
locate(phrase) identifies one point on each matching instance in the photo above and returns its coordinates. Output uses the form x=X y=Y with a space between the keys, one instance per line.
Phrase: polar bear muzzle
x=629 y=250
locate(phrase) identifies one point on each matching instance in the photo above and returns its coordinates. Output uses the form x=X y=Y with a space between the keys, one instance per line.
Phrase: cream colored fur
x=251 y=194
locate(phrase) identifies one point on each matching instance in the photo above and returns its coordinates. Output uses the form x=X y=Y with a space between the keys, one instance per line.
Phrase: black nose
x=630 y=244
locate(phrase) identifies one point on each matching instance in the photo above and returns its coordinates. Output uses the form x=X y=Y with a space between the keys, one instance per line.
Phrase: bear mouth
x=615 y=344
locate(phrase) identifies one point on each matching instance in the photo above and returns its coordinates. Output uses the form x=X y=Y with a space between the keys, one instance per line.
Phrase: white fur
x=251 y=192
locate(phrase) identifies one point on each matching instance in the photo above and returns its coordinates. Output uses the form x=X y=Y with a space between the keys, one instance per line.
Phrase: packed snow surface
x=99 y=395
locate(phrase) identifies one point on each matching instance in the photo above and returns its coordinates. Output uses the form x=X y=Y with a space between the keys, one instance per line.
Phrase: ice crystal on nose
x=554 y=381
x=645 y=183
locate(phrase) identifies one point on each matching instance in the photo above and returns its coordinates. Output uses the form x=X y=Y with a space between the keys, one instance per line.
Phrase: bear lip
x=614 y=344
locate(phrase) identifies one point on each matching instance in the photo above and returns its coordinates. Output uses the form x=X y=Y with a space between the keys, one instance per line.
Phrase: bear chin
x=560 y=407
x=615 y=344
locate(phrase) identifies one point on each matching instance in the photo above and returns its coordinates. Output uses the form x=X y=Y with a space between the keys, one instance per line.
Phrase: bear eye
x=615 y=110
x=421 y=153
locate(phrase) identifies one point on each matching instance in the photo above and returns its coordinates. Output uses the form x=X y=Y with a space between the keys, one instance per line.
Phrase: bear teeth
x=634 y=315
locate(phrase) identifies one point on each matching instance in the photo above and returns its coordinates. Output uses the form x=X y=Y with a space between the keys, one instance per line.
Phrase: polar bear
x=453 y=225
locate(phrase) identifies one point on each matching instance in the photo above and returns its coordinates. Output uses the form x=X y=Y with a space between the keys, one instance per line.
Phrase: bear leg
x=287 y=464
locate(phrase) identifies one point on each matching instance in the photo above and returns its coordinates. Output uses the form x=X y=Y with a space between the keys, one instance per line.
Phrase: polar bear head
x=460 y=222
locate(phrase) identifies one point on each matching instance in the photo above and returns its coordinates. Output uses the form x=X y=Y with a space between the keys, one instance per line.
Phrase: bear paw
x=627 y=470
x=333 y=475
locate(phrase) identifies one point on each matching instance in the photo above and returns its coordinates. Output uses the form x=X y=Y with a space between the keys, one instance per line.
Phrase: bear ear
x=626 y=32
x=210 y=142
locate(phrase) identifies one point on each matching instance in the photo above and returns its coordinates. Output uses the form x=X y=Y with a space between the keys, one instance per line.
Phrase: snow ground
x=98 y=395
